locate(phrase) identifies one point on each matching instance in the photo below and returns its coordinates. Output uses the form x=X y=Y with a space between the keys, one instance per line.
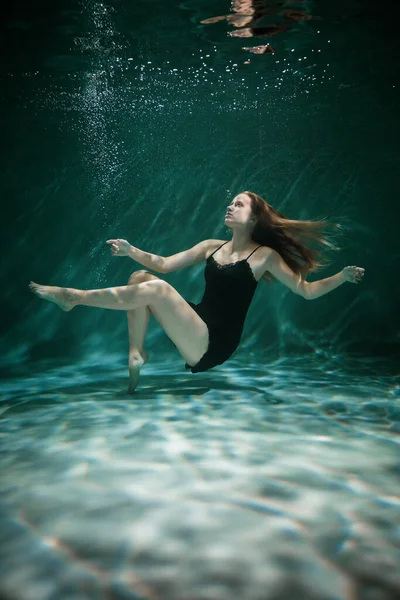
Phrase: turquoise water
x=274 y=476
x=255 y=480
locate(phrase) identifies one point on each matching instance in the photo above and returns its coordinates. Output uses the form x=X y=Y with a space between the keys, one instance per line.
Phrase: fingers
x=354 y=274
x=358 y=274
x=115 y=241
x=114 y=246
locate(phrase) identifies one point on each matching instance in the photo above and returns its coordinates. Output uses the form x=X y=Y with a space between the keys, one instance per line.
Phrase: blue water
x=274 y=476
x=256 y=480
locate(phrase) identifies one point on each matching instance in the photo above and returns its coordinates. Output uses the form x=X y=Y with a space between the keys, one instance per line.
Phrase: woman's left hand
x=353 y=274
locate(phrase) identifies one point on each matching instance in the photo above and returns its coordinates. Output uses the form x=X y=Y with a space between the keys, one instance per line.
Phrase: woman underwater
x=264 y=244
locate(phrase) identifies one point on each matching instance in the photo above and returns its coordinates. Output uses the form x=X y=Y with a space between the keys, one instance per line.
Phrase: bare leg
x=127 y=297
x=184 y=327
x=138 y=320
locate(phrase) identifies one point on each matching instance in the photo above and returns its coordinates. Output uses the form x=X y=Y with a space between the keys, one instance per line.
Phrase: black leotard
x=227 y=296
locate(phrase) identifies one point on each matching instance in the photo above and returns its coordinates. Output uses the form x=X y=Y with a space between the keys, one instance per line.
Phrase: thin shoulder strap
x=218 y=248
x=252 y=252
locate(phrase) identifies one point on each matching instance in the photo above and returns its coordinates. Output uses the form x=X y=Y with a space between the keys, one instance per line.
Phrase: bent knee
x=139 y=276
x=157 y=288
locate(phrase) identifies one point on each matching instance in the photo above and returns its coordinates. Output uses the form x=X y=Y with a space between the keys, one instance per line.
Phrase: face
x=239 y=210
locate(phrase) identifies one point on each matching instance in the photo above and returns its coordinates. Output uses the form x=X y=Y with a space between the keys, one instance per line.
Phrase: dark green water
x=276 y=475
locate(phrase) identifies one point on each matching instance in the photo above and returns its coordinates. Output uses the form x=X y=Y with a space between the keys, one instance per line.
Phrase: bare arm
x=121 y=247
x=151 y=261
x=315 y=289
x=163 y=264
x=276 y=265
x=352 y=274
x=189 y=257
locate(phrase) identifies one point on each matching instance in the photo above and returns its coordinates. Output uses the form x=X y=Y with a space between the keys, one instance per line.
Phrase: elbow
x=305 y=290
x=162 y=265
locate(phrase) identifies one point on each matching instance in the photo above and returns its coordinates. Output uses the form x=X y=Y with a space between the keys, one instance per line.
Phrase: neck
x=240 y=242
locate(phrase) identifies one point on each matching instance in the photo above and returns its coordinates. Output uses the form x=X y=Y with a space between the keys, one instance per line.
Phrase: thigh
x=180 y=322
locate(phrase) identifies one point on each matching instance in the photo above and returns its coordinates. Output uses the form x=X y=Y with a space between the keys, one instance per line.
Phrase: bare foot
x=136 y=361
x=63 y=297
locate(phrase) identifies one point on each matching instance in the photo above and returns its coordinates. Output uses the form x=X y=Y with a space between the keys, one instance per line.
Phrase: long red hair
x=291 y=238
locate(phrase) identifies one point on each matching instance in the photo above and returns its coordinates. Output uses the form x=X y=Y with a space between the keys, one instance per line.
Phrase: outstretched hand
x=119 y=247
x=353 y=274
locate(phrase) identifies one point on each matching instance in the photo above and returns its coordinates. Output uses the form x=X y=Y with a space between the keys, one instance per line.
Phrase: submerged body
x=207 y=334
x=227 y=296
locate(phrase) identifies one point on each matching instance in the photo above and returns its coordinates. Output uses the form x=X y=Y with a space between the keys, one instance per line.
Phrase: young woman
x=264 y=244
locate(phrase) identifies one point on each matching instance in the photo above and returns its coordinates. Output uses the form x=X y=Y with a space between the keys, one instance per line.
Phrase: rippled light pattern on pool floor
x=256 y=482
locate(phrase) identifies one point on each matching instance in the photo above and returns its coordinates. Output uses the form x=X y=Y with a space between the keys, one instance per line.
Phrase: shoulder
x=265 y=253
x=265 y=250
x=212 y=245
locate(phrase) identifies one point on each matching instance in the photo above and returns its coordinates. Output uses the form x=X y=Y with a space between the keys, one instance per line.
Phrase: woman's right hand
x=119 y=247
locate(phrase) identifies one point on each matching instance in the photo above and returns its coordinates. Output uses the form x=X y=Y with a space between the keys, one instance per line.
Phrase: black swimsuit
x=227 y=297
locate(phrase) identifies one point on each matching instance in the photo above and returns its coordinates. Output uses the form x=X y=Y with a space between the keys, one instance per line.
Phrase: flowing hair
x=292 y=239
